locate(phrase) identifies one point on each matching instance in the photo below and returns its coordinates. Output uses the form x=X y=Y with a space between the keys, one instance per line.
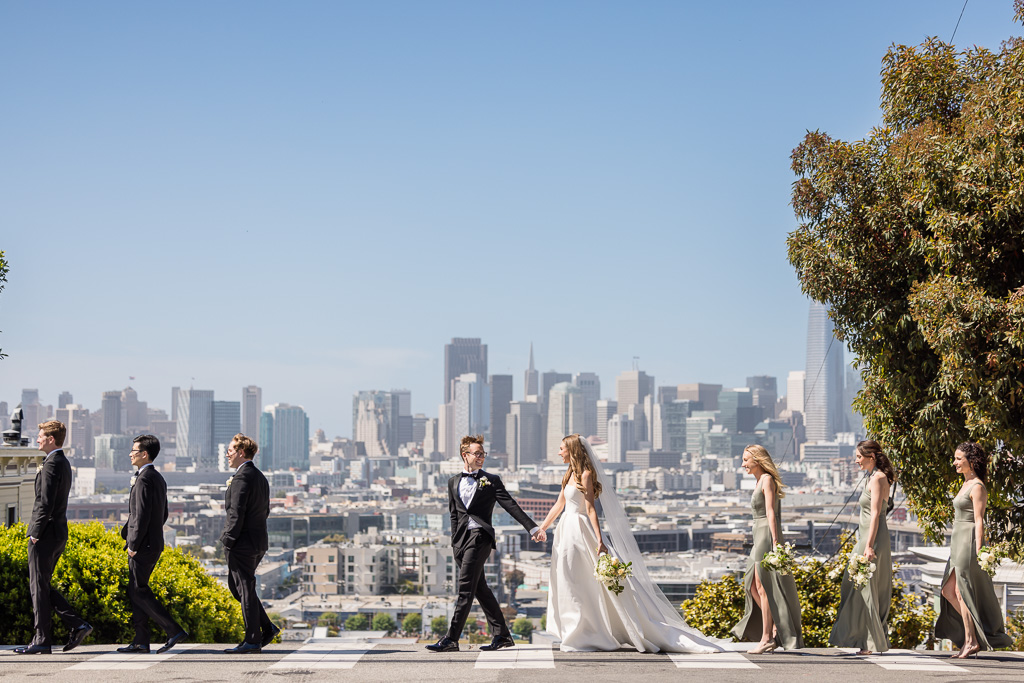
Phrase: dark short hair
x=150 y=444
x=977 y=456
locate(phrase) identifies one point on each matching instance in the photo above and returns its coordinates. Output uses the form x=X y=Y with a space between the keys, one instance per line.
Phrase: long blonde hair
x=763 y=458
x=578 y=464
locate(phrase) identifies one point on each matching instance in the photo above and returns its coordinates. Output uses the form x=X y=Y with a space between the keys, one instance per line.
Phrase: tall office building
x=252 y=407
x=111 y=452
x=447 y=442
x=284 y=431
x=565 y=416
x=471 y=405
x=705 y=394
x=590 y=384
x=854 y=383
x=64 y=400
x=195 y=428
x=375 y=421
x=31 y=411
x=824 y=412
x=696 y=428
x=112 y=412
x=134 y=413
x=524 y=440
x=673 y=416
x=795 y=390
x=501 y=398
x=621 y=437
x=531 y=387
x=79 y=441
x=404 y=431
x=737 y=411
x=668 y=394
x=227 y=421
x=765 y=393
x=174 y=403
x=631 y=388
x=461 y=356
x=605 y=410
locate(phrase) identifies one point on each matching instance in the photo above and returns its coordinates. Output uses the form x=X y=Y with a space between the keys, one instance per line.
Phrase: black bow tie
x=474 y=475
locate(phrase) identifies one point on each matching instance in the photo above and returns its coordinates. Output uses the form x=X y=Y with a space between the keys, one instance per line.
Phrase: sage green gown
x=781 y=590
x=974 y=584
x=863 y=618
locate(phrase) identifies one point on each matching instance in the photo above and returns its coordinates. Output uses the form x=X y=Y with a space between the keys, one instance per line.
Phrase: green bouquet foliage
x=718 y=605
x=93 y=575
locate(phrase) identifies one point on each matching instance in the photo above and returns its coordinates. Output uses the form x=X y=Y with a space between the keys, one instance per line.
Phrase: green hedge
x=93 y=575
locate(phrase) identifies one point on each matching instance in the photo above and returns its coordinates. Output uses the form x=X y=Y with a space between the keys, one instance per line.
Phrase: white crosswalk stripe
x=718 y=660
x=518 y=657
x=120 y=661
x=324 y=656
x=904 y=660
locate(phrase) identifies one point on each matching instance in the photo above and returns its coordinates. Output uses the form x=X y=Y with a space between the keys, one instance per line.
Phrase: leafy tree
x=522 y=627
x=383 y=622
x=412 y=623
x=1015 y=628
x=544 y=622
x=93 y=575
x=357 y=622
x=718 y=605
x=328 y=619
x=513 y=579
x=439 y=626
x=913 y=238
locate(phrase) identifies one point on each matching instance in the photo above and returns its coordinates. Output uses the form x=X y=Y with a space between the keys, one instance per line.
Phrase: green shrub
x=522 y=627
x=357 y=622
x=93 y=575
x=439 y=626
x=383 y=622
x=412 y=623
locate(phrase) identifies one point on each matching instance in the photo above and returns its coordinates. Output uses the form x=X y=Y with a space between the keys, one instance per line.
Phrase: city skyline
x=219 y=192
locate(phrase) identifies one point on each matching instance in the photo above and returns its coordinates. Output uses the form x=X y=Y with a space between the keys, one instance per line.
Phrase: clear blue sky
x=316 y=196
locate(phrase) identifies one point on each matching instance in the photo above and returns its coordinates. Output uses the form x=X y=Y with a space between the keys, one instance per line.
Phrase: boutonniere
x=229 y=480
x=135 y=478
x=39 y=468
x=483 y=481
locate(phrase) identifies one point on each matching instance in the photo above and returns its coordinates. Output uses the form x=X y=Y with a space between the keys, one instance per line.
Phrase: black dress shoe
x=498 y=642
x=268 y=638
x=446 y=644
x=77 y=636
x=33 y=650
x=171 y=642
x=134 y=648
x=244 y=649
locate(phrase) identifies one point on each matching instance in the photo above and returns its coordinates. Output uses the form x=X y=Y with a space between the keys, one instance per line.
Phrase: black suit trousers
x=242 y=582
x=42 y=560
x=144 y=603
x=472 y=559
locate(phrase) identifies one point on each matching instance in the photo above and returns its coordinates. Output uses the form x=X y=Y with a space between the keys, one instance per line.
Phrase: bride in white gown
x=584 y=614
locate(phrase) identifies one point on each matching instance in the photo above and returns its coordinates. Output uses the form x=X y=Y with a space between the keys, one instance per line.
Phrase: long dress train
x=780 y=589
x=863 y=618
x=588 y=617
x=974 y=584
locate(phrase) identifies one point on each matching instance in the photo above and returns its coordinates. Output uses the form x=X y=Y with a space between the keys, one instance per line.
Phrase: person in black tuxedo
x=247 y=503
x=471 y=498
x=47 y=536
x=143 y=534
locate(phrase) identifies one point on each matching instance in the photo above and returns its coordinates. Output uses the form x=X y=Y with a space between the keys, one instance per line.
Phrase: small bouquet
x=779 y=559
x=483 y=481
x=989 y=558
x=861 y=570
x=611 y=571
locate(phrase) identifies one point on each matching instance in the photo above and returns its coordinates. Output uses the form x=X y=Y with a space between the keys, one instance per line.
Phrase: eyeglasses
x=481 y=454
x=136 y=450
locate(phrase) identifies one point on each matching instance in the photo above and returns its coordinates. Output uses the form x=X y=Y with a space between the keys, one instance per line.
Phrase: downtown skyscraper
x=824 y=409
x=461 y=356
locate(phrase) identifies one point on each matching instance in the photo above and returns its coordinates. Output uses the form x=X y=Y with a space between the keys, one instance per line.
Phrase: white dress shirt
x=467 y=489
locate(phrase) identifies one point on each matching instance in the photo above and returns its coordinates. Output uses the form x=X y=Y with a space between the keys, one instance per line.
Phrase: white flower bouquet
x=989 y=558
x=861 y=570
x=611 y=571
x=779 y=559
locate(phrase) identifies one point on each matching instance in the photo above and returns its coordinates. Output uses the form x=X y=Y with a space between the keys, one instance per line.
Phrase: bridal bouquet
x=989 y=558
x=861 y=570
x=611 y=571
x=779 y=559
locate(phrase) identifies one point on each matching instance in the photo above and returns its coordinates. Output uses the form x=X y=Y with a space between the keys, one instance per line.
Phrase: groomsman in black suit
x=247 y=503
x=47 y=536
x=144 y=540
x=471 y=498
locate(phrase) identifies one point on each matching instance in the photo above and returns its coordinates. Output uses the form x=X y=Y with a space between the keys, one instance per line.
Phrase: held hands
x=539 y=536
x=132 y=553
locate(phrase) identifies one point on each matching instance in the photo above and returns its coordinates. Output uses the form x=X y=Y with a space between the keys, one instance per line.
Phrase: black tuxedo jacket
x=247 y=502
x=147 y=512
x=50 y=512
x=480 y=508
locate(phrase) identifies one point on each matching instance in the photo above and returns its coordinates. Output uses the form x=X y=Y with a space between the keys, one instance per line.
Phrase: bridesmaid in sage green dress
x=863 y=617
x=966 y=588
x=772 y=601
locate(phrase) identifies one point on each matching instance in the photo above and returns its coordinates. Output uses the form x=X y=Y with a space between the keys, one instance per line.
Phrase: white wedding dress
x=588 y=617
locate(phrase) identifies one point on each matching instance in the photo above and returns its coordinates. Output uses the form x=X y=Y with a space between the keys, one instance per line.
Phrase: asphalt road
x=400 y=661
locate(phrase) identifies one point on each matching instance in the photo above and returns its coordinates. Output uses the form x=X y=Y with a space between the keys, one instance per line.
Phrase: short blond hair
x=56 y=429
x=247 y=445
x=468 y=441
